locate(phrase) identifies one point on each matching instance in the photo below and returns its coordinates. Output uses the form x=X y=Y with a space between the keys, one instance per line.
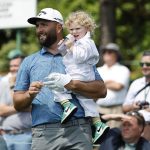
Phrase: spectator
x=48 y=132
x=2 y=141
x=138 y=96
x=16 y=126
x=116 y=77
x=129 y=136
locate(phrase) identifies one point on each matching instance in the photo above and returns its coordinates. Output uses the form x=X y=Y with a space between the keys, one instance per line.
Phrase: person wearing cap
x=116 y=77
x=47 y=130
x=15 y=126
x=15 y=53
x=138 y=96
x=128 y=137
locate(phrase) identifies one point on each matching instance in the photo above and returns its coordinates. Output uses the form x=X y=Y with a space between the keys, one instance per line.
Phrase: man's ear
x=141 y=129
x=59 y=28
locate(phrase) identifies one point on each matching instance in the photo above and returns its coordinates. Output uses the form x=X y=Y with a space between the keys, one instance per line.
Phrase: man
x=116 y=77
x=129 y=138
x=16 y=126
x=138 y=96
x=48 y=132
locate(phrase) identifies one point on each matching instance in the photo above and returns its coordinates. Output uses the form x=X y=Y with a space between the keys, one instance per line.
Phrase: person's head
x=14 y=64
x=49 y=27
x=15 y=57
x=79 y=23
x=111 y=54
x=145 y=64
x=132 y=128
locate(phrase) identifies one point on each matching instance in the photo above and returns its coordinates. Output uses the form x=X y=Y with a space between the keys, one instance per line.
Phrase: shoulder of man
x=31 y=57
x=113 y=140
x=143 y=144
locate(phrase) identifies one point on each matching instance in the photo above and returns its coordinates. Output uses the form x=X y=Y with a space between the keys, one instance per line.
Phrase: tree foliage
x=131 y=20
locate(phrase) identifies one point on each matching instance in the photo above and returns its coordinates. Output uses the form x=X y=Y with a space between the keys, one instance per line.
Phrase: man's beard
x=49 y=39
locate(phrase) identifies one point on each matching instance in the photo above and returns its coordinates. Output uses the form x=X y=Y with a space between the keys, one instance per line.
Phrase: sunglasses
x=134 y=113
x=138 y=116
x=145 y=63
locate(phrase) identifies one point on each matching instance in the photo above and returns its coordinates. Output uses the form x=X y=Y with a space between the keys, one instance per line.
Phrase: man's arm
x=116 y=117
x=127 y=108
x=6 y=110
x=23 y=99
x=94 y=89
x=112 y=85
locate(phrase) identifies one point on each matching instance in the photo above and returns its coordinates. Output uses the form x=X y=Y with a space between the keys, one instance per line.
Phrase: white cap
x=111 y=46
x=47 y=14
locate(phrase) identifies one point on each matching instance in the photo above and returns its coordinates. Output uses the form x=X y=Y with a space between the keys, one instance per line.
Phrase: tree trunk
x=107 y=21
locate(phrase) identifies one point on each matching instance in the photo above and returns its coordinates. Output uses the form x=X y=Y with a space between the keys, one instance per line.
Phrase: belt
x=19 y=131
x=110 y=106
x=75 y=122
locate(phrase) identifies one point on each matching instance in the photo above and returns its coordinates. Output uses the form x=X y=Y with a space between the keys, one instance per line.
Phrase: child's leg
x=100 y=131
x=69 y=110
x=63 y=99
x=96 y=120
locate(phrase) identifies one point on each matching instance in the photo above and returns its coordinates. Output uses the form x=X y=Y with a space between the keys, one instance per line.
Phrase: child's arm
x=85 y=52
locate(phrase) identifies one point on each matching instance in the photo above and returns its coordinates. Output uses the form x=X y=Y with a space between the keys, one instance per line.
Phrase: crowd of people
x=15 y=126
x=57 y=99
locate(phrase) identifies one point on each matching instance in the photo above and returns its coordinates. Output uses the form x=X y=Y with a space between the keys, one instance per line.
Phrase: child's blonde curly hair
x=83 y=19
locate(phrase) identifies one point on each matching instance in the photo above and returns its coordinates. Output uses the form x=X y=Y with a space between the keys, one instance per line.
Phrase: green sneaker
x=101 y=130
x=69 y=110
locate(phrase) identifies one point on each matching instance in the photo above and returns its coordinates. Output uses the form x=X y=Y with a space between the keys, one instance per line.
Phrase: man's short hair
x=138 y=116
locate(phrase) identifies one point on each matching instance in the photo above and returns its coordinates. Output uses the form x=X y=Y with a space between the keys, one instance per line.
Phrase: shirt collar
x=129 y=146
x=88 y=35
x=43 y=51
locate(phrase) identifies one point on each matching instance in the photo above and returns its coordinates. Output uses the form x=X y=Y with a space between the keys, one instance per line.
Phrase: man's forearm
x=94 y=89
x=22 y=101
x=6 y=110
x=112 y=85
x=127 y=108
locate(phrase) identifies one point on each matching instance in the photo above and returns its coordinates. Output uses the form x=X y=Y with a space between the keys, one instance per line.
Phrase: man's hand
x=136 y=106
x=116 y=117
x=35 y=88
x=57 y=81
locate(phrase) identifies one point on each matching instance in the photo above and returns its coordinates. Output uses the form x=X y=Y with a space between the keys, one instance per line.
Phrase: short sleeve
x=97 y=75
x=23 y=80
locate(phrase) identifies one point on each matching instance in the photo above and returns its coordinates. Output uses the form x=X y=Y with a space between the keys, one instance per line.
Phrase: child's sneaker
x=101 y=129
x=69 y=109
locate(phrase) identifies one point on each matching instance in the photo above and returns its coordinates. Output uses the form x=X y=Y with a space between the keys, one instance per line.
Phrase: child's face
x=77 y=30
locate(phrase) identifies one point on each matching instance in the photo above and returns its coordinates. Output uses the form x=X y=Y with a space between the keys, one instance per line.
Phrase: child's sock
x=69 y=110
x=96 y=121
x=65 y=103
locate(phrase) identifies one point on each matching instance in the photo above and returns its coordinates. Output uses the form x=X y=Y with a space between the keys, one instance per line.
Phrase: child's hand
x=70 y=41
x=69 y=44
